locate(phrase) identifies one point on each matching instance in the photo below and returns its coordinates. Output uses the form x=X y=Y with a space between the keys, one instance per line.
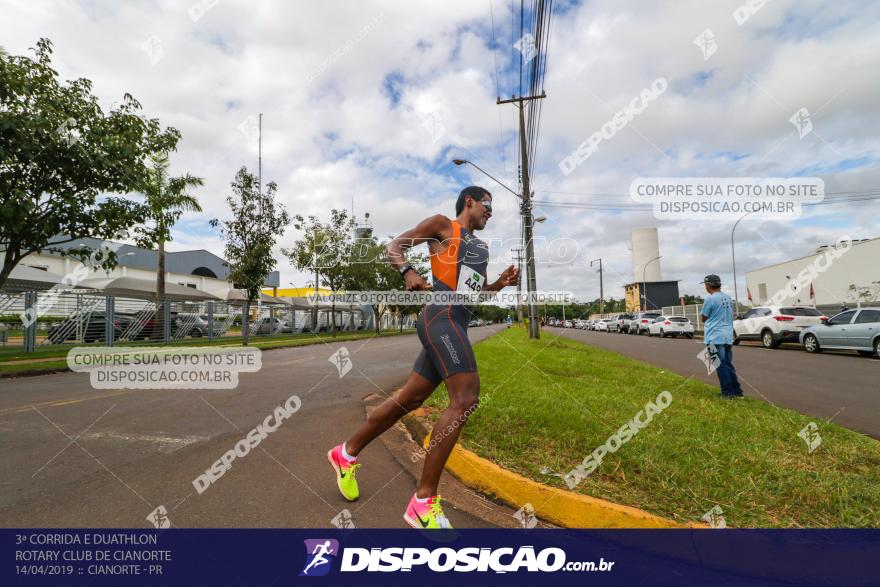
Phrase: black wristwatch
x=406 y=267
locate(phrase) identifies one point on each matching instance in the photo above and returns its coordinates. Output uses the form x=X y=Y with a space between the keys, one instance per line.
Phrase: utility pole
x=260 y=159
x=526 y=212
x=601 y=291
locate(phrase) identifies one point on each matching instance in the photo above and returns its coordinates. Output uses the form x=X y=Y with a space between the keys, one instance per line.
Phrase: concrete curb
x=563 y=508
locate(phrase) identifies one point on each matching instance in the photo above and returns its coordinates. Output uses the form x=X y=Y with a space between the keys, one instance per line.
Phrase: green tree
x=325 y=249
x=371 y=272
x=422 y=265
x=257 y=222
x=166 y=199
x=60 y=154
x=490 y=313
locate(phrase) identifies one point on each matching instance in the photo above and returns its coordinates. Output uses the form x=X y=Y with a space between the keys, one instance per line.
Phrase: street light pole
x=733 y=260
x=644 y=283
x=486 y=173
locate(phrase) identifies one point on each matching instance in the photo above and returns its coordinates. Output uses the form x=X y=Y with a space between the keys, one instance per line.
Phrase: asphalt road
x=842 y=387
x=74 y=456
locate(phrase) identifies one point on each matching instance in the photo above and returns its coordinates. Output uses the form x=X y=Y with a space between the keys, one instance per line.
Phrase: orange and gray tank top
x=461 y=267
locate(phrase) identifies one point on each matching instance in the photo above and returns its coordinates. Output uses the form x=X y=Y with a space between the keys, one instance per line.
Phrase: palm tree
x=167 y=199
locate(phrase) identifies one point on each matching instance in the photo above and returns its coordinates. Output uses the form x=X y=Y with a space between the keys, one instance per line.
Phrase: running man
x=319 y=559
x=458 y=264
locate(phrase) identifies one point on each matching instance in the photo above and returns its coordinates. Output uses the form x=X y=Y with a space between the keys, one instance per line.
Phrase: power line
x=497 y=86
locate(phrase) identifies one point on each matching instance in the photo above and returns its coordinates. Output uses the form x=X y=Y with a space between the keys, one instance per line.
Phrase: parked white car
x=773 y=325
x=676 y=326
x=567 y=324
x=601 y=326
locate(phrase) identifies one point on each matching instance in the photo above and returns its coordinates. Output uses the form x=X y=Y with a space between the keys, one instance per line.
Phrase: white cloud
x=340 y=136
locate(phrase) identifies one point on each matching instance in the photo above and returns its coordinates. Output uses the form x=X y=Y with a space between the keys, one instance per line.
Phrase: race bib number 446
x=470 y=281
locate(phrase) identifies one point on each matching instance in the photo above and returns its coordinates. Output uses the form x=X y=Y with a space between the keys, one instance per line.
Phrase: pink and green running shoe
x=428 y=515
x=346 y=472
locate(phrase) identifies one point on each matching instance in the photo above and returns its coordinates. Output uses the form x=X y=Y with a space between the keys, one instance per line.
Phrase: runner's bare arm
x=509 y=276
x=434 y=229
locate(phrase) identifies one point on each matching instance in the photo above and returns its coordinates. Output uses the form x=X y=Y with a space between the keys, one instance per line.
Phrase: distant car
x=602 y=325
x=92 y=331
x=773 y=325
x=852 y=330
x=623 y=322
x=196 y=325
x=676 y=326
x=640 y=322
x=613 y=325
x=268 y=325
x=472 y=324
x=567 y=324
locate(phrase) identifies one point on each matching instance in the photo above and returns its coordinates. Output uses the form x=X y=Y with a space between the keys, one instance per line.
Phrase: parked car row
x=852 y=330
x=651 y=323
x=94 y=328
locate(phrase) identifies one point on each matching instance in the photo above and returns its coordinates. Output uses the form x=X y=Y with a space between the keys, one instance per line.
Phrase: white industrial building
x=839 y=274
x=197 y=269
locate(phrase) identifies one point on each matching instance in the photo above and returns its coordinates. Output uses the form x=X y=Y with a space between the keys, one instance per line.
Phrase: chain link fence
x=35 y=320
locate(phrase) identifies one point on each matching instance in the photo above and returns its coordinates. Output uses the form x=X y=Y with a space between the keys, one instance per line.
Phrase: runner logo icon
x=320 y=553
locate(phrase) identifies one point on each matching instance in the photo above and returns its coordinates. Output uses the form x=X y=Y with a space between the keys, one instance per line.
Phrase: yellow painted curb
x=557 y=506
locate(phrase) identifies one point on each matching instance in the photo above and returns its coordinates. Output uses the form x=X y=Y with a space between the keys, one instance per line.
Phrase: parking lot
x=835 y=385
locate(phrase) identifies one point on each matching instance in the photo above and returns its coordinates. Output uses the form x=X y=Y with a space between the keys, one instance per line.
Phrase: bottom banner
x=372 y=557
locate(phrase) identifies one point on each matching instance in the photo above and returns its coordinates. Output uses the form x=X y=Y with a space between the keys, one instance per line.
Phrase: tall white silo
x=645 y=253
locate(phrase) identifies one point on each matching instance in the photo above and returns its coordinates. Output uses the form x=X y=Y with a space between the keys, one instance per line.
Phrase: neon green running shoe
x=426 y=515
x=346 y=471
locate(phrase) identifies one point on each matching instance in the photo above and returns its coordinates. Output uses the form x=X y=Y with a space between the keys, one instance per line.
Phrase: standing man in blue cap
x=717 y=314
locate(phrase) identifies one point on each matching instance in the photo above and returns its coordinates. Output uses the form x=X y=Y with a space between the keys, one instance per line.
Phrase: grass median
x=547 y=404
x=15 y=362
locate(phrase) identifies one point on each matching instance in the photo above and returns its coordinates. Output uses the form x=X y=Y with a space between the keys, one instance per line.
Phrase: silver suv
x=641 y=320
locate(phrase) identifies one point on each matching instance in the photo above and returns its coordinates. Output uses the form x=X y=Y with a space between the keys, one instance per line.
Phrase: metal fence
x=34 y=320
x=691 y=312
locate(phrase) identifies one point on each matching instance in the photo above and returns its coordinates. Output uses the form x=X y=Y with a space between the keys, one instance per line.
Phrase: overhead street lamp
x=528 y=224
x=644 y=284
x=484 y=172
x=733 y=259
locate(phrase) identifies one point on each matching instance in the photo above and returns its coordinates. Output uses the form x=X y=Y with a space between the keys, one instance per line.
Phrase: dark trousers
x=727 y=372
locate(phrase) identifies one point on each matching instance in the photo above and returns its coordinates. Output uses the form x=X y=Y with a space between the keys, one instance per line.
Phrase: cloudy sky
x=366 y=103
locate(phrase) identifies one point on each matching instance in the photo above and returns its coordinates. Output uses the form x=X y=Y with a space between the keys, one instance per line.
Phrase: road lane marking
x=55 y=403
x=165 y=443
